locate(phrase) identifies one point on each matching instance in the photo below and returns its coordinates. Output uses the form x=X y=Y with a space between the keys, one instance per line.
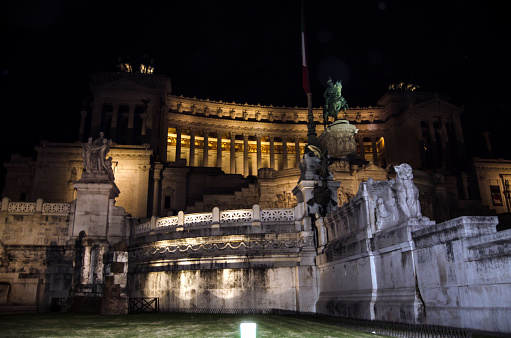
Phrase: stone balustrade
x=28 y=208
x=217 y=219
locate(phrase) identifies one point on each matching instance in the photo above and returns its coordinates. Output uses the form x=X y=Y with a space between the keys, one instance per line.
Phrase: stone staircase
x=241 y=197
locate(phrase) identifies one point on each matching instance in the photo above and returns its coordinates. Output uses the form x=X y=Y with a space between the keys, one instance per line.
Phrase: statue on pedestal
x=94 y=157
x=334 y=101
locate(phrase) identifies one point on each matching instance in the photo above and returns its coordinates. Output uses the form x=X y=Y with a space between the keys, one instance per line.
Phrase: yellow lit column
x=272 y=151
x=259 y=152
x=205 y=152
x=178 y=143
x=192 y=147
x=219 y=149
x=245 y=154
x=284 y=152
x=297 y=152
x=233 y=153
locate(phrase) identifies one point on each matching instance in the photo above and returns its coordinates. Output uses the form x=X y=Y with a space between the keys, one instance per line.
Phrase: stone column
x=86 y=263
x=245 y=154
x=131 y=121
x=233 y=153
x=433 y=146
x=284 y=153
x=298 y=156
x=219 y=149
x=156 y=191
x=114 y=123
x=272 y=151
x=375 y=151
x=259 y=152
x=178 y=144
x=461 y=141
x=361 y=147
x=83 y=115
x=205 y=151
x=143 y=117
x=447 y=158
x=96 y=118
x=192 y=147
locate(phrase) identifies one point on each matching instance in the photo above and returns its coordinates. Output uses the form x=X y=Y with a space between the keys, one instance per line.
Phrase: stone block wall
x=36 y=259
x=239 y=259
x=463 y=271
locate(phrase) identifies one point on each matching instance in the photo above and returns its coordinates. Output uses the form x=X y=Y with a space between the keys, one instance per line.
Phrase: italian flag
x=305 y=71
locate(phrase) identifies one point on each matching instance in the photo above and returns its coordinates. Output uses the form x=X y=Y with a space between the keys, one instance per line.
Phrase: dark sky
x=249 y=51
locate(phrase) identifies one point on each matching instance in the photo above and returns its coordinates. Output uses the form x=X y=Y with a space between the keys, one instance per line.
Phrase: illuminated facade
x=198 y=144
x=189 y=133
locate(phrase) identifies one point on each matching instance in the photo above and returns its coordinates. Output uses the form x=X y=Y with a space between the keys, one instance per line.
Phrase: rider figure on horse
x=334 y=102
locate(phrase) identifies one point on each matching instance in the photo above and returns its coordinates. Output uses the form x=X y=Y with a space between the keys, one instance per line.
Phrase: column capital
x=232 y=134
x=258 y=136
x=246 y=135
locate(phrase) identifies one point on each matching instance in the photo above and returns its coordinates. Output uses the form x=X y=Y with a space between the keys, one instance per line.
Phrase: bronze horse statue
x=334 y=101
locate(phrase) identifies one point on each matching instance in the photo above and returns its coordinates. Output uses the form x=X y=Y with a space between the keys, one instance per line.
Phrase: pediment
x=437 y=104
x=123 y=85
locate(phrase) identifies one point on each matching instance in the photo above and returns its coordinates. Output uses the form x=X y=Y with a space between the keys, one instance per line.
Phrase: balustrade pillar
x=272 y=152
x=233 y=153
x=205 y=151
x=219 y=149
x=192 y=147
x=245 y=154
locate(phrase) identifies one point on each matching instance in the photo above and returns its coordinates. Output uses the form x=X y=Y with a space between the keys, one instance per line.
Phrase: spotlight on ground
x=248 y=330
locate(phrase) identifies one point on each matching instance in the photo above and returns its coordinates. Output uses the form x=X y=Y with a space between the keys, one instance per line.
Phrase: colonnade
x=272 y=151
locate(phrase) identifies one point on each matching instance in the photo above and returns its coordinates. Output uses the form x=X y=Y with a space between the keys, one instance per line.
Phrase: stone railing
x=28 y=208
x=217 y=219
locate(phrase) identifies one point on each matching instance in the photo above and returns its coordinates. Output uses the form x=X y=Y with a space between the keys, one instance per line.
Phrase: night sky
x=249 y=51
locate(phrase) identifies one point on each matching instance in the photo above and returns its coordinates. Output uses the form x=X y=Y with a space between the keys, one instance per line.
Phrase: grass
x=168 y=325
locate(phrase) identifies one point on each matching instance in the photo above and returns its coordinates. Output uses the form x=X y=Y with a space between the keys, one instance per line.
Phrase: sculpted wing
x=378 y=189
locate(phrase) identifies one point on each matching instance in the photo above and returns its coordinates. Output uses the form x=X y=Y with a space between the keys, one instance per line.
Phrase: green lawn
x=168 y=325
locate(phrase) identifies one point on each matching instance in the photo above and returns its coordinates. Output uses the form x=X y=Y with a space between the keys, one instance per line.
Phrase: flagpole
x=311 y=126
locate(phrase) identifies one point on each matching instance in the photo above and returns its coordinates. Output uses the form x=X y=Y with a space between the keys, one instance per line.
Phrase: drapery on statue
x=334 y=102
x=94 y=156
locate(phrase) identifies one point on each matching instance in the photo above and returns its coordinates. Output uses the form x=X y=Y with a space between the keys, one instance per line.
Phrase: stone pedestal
x=94 y=192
